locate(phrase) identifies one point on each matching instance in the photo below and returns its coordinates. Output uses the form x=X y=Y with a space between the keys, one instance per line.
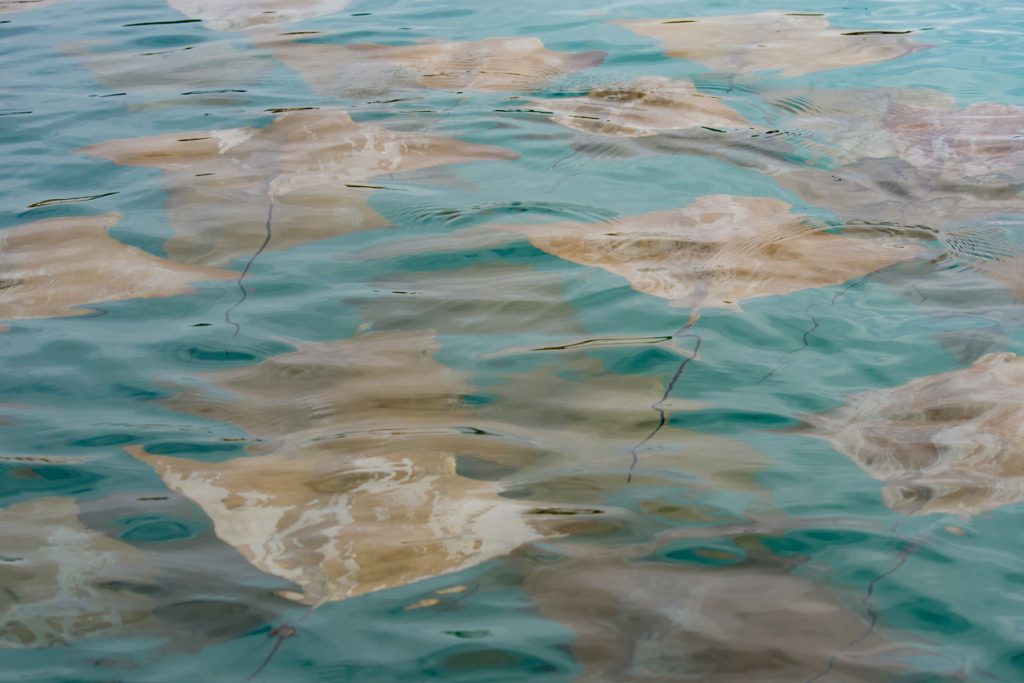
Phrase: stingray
x=206 y=74
x=492 y=64
x=63 y=581
x=23 y=5
x=637 y=619
x=950 y=442
x=796 y=44
x=355 y=486
x=240 y=15
x=642 y=108
x=979 y=140
x=55 y=267
x=305 y=177
x=718 y=251
x=339 y=518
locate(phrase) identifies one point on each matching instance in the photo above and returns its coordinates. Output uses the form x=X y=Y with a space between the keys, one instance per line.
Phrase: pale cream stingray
x=54 y=267
x=951 y=442
x=796 y=44
x=354 y=515
x=717 y=251
x=634 y=619
x=24 y=5
x=240 y=15
x=492 y=64
x=358 y=490
x=315 y=168
x=642 y=108
x=63 y=581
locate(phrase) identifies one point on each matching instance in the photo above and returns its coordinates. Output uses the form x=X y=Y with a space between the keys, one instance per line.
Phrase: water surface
x=378 y=341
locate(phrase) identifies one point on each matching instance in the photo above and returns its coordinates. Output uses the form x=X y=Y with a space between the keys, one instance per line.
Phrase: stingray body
x=951 y=442
x=643 y=108
x=314 y=167
x=490 y=65
x=717 y=251
x=355 y=488
x=56 y=267
x=796 y=44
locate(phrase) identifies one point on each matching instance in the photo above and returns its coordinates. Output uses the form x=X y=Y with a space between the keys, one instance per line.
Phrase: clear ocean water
x=410 y=393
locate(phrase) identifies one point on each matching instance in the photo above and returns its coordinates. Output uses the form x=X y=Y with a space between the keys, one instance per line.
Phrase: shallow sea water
x=399 y=427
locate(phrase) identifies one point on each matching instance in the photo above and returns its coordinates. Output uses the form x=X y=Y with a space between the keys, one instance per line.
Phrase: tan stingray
x=214 y=73
x=305 y=177
x=24 y=5
x=635 y=620
x=54 y=267
x=642 y=108
x=63 y=581
x=354 y=515
x=492 y=64
x=717 y=251
x=952 y=442
x=240 y=15
x=796 y=44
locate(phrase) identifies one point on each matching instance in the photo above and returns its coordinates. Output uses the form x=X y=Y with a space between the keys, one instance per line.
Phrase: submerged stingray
x=354 y=515
x=493 y=64
x=796 y=44
x=642 y=108
x=635 y=619
x=302 y=178
x=63 y=581
x=952 y=442
x=359 y=491
x=239 y=15
x=54 y=267
x=718 y=250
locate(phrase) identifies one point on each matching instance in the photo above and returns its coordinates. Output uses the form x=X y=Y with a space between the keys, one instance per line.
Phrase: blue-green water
x=742 y=548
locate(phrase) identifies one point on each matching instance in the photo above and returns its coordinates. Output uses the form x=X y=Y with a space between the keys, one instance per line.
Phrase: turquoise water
x=443 y=351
